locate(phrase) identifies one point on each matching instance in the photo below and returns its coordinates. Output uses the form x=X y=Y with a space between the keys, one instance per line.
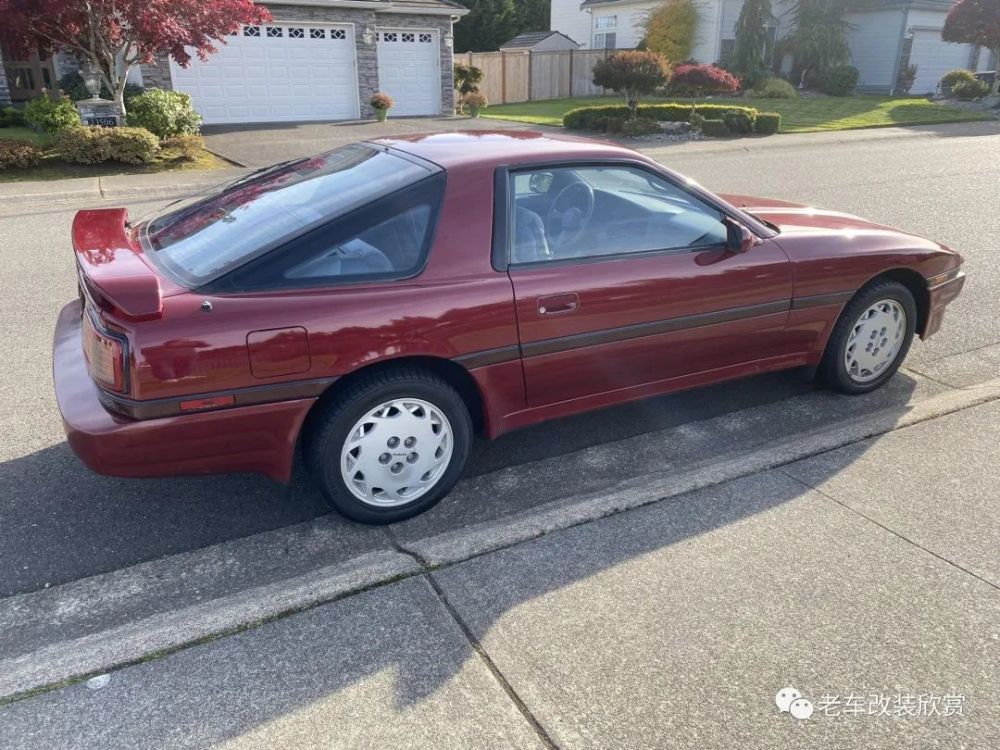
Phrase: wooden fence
x=524 y=76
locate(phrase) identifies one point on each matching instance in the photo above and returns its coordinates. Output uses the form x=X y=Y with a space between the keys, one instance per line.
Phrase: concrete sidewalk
x=865 y=577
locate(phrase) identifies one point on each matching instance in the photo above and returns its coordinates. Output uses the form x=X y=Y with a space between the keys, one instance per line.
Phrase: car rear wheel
x=391 y=446
x=871 y=338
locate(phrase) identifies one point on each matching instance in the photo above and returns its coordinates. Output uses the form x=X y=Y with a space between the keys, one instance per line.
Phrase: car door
x=623 y=279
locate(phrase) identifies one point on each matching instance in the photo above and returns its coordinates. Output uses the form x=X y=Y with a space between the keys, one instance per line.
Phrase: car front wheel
x=871 y=338
x=391 y=446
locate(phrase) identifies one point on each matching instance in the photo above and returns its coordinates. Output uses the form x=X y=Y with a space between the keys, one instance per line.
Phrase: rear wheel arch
x=450 y=372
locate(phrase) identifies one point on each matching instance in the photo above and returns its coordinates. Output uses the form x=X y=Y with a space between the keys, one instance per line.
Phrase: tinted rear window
x=203 y=240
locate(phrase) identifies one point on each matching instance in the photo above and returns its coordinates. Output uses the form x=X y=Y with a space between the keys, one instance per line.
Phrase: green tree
x=819 y=40
x=751 y=41
x=669 y=29
x=491 y=23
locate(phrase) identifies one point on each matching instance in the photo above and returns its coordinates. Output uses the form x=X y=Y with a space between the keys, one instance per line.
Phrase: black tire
x=832 y=370
x=330 y=428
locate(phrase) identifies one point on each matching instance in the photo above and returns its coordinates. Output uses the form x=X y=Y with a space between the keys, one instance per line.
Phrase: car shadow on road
x=416 y=641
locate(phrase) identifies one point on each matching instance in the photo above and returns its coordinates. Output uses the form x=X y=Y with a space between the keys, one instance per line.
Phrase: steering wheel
x=569 y=213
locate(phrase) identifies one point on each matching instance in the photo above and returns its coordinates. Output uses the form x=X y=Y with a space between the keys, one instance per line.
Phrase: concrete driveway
x=260 y=145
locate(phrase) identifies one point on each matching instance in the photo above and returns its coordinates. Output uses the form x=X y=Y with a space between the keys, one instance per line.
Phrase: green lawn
x=23 y=134
x=807 y=115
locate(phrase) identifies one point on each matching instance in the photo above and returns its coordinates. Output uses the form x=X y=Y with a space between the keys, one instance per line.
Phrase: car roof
x=499 y=147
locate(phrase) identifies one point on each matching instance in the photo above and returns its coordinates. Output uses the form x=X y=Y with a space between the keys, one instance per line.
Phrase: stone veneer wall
x=4 y=89
x=158 y=75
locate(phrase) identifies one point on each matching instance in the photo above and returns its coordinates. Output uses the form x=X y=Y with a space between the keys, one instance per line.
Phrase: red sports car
x=381 y=303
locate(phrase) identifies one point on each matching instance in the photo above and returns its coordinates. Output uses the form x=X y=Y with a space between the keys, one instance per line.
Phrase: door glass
x=566 y=213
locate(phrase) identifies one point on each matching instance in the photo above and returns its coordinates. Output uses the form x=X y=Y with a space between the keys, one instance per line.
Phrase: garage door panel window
x=251 y=31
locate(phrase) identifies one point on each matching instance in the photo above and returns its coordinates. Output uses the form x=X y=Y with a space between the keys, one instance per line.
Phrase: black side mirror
x=739 y=239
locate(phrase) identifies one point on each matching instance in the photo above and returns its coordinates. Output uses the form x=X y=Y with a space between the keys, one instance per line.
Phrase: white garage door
x=274 y=73
x=409 y=70
x=934 y=58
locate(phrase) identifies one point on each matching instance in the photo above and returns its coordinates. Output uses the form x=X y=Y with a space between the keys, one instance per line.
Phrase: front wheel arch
x=917 y=284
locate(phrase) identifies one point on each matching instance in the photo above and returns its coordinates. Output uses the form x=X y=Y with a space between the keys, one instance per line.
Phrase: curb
x=62 y=663
x=104 y=188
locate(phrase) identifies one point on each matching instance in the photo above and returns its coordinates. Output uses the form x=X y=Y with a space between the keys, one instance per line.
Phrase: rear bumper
x=939 y=297
x=259 y=438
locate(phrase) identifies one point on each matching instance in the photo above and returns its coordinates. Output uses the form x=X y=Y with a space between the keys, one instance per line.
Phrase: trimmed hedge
x=767 y=123
x=11 y=117
x=89 y=145
x=19 y=154
x=739 y=123
x=189 y=145
x=593 y=118
x=715 y=128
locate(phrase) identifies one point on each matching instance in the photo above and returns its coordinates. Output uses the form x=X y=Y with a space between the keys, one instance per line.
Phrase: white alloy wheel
x=397 y=452
x=875 y=340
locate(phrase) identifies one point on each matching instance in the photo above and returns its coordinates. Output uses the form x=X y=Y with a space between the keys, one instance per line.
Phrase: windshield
x=203 y=240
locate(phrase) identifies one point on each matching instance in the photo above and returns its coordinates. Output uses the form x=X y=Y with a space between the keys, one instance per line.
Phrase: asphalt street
x=59 y=522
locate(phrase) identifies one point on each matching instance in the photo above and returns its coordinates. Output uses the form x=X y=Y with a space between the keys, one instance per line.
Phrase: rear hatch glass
x=199 y=242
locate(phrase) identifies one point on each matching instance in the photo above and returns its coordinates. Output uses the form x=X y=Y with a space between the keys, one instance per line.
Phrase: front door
x=623 y=280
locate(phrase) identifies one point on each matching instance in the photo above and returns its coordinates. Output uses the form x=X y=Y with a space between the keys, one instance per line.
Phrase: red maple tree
x=117 y=35
x=976 y=22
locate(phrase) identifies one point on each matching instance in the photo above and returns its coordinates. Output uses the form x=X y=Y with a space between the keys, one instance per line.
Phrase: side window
x=387 y=239
x=566 y=213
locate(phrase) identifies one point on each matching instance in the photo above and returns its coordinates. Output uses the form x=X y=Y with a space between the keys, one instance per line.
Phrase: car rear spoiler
x=110 y=264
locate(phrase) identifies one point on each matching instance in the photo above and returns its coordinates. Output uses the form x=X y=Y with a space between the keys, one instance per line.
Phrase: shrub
x=467 y=78
x=840 y=80
x=19 y=154
x=973 y=89
x=51 y=115
x=476 y=100
x=698 y=80
x=164 y=113
x=188 y=146
x=381 y=101
x=89 y=145
x=955 y=77
x=589 y=118
x=629 y=127
x=632 y=74
x=131 y=145
x=11 y=117
x=906 y=78
x=715 y=128
x=776 y=88
x=72 y=85
x=767 y=123
x=739 y=122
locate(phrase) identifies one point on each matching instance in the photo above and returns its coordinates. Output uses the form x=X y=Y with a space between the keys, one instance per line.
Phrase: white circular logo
x=785 y=696
x=801 y=708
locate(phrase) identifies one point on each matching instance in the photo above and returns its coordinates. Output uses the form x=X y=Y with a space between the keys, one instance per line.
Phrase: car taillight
x=105 y=356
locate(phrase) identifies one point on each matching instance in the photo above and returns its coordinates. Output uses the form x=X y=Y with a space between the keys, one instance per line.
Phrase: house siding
x=158 y=74
x=566 y=17
x=874 y=39
x=631 y=17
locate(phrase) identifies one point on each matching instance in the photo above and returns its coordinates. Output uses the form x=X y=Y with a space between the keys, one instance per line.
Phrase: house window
x=251 y=31
x=606 y=22
x=338 y=34
x=274 y=32
x=297 y=33
x=317 y=33
x=726 y=51
x=424 y=38
x=605 y=40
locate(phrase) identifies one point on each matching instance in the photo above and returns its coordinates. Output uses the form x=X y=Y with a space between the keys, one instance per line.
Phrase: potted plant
x=381 y=103
x=475 y=101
